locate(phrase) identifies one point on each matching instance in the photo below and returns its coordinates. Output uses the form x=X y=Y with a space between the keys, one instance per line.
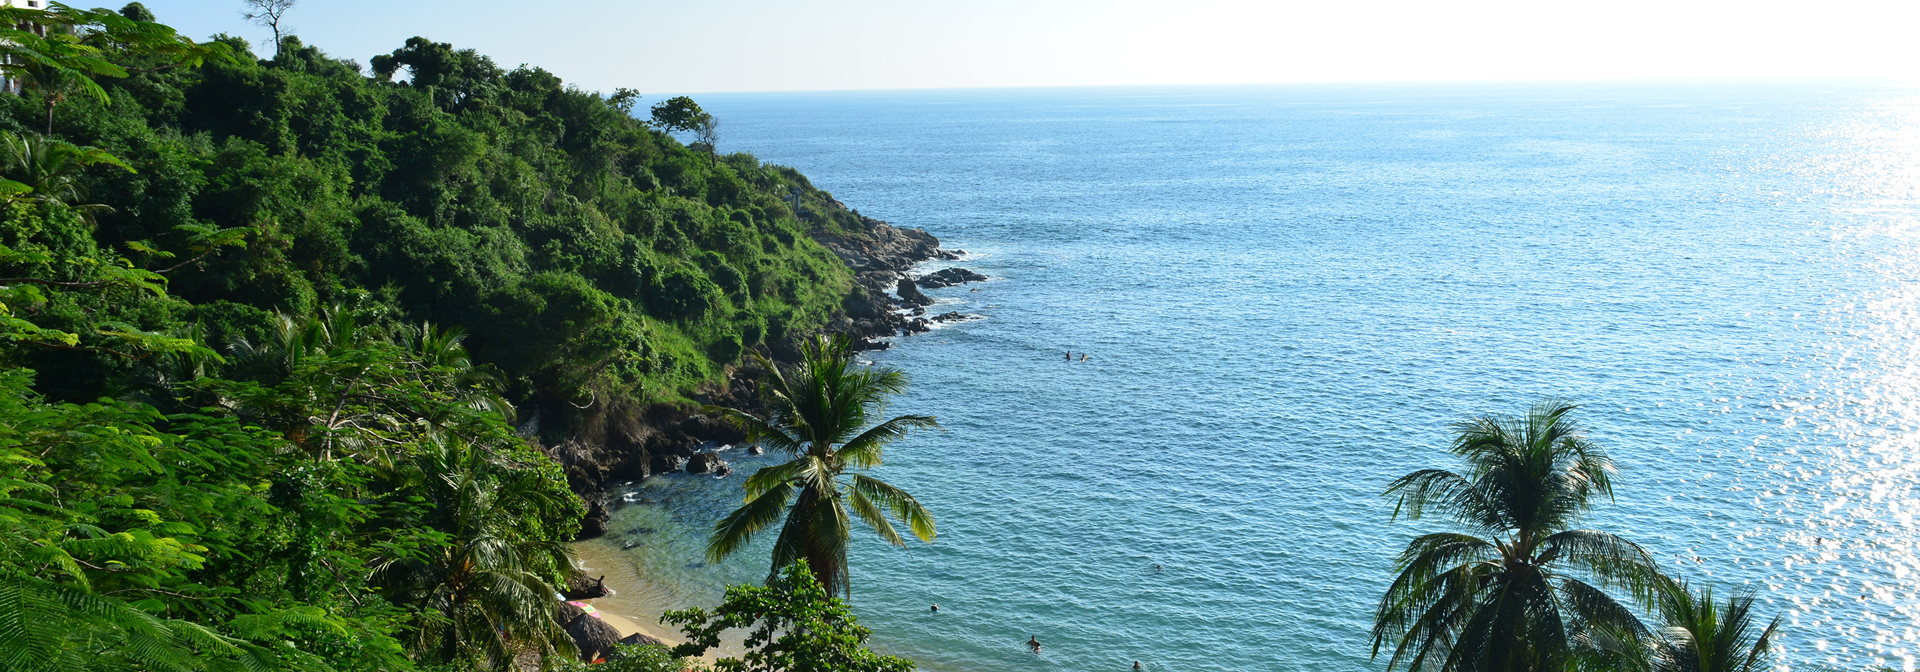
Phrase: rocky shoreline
x=629 y=444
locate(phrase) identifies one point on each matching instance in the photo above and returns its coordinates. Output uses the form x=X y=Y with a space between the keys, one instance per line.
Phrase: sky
x=762 y=45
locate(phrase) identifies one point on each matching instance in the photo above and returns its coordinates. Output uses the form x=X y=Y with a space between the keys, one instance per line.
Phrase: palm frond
x=863 y=451
x=736 y=530
x=864 y=507
x=897 y=502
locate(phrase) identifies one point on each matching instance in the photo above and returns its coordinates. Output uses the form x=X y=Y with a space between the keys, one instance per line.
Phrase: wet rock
x=665 y=464
x=948 y=277
x=581 y=587
x=910 y=295
x=702 y=463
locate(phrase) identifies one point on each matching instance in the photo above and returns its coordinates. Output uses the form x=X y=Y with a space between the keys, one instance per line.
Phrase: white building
x=9 y=84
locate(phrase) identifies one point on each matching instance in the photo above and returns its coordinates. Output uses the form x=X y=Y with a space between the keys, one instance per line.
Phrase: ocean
x=1287 y=294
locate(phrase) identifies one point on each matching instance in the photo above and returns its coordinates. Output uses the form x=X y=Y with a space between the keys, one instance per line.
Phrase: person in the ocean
x=1069 y=355
x=1137 y=667
x=1034 y=643
x=936 y=608
x=1156 y=569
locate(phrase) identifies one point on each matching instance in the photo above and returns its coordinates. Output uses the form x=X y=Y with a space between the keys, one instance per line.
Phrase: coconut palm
x=816 y=414
x=1511 y=591
x=39 y=168
x=1697 y=634
x=480 y=578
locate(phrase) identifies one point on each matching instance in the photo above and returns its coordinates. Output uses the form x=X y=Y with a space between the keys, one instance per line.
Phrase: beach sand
x=627 y=609
x=634 y=606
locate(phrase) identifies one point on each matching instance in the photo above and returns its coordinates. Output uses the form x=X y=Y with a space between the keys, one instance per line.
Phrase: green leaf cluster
x=795 y=624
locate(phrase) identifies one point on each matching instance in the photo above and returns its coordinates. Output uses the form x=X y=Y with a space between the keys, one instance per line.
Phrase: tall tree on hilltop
x=1512 y=594
x=267 y=14
x=816 y=414
x=680 y=113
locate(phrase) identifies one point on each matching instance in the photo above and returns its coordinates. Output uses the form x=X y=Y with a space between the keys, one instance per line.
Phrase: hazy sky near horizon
x=761 y=45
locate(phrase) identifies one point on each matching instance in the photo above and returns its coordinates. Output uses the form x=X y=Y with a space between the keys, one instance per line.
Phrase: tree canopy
x=588 y=255
x=266 y=326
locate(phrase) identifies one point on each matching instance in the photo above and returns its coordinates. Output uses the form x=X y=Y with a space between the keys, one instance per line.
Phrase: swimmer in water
x=1156 y=569
x=1069 y=355
x=1137 y=667
x=936 y=608
x=1083 y=356
x=1033 y=642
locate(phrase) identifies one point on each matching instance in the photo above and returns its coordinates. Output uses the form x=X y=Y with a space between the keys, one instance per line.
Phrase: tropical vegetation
x=817 y=413
x=1522 y=588
x=281 y=339
x=793 y=623
x=271 y=329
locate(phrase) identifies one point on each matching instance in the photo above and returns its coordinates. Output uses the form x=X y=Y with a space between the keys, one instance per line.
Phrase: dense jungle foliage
x=267 y=327
x=588 y=254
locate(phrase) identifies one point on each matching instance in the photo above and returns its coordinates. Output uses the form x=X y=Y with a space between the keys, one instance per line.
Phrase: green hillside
x=587 y=254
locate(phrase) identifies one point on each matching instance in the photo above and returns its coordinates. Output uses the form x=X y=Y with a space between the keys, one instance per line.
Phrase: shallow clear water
x=1289 y=293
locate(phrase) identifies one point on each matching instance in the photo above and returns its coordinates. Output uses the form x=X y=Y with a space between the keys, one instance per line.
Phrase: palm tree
x=50 y=170
x=1697 y=635
x=816 y=414
x=1508 y=594
x=480 y=579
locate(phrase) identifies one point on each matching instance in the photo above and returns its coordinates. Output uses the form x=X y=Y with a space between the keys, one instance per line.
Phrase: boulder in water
x=665 y=464
x=702 y=463
x=948 y=277
x=580 y=587
x=910 y=294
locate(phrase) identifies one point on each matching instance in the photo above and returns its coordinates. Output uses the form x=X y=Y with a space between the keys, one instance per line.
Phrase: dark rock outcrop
x=581 y=587
x=702 y=463
x=666 y=464
x=884 y=247
x=948 y=277
x=594 y=524
x=911 y=295
x=592 y=636
x=880 y=255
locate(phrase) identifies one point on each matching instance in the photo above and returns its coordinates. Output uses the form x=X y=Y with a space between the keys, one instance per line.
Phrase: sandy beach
x=634 y=606
x=627 y=609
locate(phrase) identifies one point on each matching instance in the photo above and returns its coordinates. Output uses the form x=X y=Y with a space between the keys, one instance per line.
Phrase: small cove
x=1290 y=293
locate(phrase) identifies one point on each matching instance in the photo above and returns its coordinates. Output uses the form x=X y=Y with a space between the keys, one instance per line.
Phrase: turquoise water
x=1289 y=292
